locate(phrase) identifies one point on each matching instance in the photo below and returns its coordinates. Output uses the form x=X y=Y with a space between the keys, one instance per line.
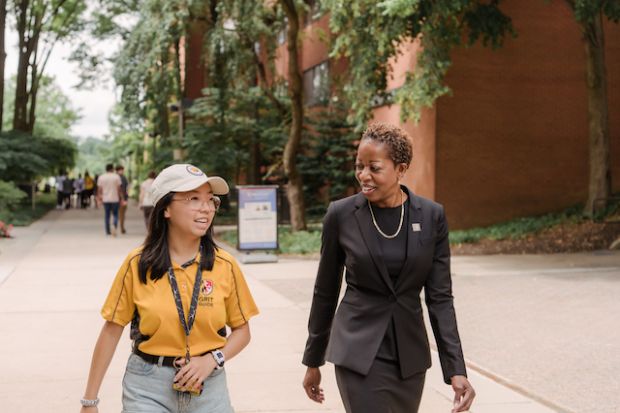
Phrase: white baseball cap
x=184 y=177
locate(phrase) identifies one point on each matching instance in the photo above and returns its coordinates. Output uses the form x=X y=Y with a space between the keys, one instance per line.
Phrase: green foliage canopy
x=370 y=32
x=24 y=157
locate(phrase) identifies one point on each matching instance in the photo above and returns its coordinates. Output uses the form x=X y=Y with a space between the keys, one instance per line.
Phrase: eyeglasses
x=196 y=203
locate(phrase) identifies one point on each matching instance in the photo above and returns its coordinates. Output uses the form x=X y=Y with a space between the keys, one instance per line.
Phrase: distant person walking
x=146 y=198
x=120 y=170
x=60 y=180
x=89 y=186
x=67 y=191
x=78 y=187
x=109 y=193
x=96 y=191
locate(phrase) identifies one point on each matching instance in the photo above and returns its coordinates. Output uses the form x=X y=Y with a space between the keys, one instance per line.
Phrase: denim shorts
x=147 y=388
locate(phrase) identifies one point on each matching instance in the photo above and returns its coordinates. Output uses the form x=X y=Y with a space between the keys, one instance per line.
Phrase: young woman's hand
x=93 y=409
x=312 y=381
x=192 y=375
x=463 y=394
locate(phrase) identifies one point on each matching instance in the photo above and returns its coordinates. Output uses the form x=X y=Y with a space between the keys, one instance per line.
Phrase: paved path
x=55 y=275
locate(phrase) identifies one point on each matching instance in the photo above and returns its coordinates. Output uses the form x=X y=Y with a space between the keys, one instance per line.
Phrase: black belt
x=166 y=360
x=149 y=358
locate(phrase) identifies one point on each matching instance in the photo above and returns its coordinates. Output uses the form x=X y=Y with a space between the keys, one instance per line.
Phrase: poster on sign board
x=257 y=227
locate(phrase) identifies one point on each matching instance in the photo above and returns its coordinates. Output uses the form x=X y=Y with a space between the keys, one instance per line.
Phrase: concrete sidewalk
x=55 y=275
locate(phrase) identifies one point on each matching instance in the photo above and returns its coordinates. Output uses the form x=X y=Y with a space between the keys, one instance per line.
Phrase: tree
x=327 y=158
x=294 y=189
x=55 y=113
x=93 y=154
x=40 y=25
x=252 y=37
x=148 y=70
x=240 y=48
x=589 y=15
x=2 y=56
x=369 y=33
x=24 y=158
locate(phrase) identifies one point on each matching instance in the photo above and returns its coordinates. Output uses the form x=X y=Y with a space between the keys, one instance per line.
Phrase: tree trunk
x=162 y=123
x=180 y=93
x=20 y=110
x=2 y=57
x=294 y=191
x=600 y=169
x=34 y=88
x=254 y=175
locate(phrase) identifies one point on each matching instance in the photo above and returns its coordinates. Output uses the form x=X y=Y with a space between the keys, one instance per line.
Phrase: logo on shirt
x=193 y=170
x=207 y=287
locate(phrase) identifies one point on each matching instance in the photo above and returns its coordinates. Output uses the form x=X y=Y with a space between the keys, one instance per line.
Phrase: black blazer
x=350 y=337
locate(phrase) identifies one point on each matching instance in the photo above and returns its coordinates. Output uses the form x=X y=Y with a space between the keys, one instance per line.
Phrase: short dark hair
x=152 y=174
x=396 y=140
x=109 y=167
x=119 y=167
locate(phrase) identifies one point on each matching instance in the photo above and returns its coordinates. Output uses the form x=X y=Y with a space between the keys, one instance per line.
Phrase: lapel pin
x=416 y=227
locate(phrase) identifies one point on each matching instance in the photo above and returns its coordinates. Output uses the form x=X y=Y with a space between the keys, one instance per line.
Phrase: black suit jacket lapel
x=413 y=226
x=369 y=235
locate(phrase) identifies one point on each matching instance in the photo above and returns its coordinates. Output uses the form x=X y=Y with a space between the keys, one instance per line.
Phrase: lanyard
x=187 y=325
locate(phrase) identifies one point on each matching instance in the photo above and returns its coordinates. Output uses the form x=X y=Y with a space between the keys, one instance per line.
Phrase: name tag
x=416 y=227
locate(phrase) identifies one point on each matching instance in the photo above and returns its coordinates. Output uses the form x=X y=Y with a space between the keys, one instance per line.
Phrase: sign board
x=257 y=227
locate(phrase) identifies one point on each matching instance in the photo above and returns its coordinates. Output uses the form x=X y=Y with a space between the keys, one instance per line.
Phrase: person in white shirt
x=146 y=197
x=78 y=187
x=109 y=193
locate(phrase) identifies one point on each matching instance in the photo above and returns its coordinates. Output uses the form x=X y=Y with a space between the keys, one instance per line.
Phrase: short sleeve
x=240 y=305
x=119 y=307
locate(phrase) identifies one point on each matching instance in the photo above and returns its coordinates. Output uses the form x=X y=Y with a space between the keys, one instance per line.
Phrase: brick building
x=512 y=140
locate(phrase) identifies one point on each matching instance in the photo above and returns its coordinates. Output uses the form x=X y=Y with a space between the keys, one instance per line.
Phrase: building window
x=313 y=13
x=316 y=84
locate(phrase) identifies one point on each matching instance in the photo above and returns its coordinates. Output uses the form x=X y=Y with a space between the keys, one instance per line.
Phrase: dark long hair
x=155 y=253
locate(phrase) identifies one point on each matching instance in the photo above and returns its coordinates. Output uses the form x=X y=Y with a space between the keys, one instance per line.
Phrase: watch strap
x=89 y=402
x=219 y=358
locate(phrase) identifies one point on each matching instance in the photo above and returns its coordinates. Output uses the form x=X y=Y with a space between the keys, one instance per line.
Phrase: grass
x=521 y=227
x=299 y=243
x=25 y=215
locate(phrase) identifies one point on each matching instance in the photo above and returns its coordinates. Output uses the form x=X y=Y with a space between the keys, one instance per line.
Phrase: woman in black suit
x=393 y=244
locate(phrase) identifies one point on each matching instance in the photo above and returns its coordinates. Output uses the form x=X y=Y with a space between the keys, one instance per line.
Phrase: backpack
x=67 y=186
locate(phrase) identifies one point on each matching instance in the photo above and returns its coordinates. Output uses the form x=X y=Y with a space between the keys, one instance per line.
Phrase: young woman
x=393 y=244
x=180 y=292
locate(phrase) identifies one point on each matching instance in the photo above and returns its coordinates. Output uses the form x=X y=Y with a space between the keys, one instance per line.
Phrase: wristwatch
x=218 y=356
x=89 y=403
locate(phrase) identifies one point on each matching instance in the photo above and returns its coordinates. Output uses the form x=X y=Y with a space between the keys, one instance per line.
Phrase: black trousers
x=382 y=390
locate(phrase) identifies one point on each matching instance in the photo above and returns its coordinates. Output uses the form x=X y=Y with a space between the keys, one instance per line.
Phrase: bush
x=24 y=158
x=25 y=215
x=10 y=198
x=298 y=242
x=327 y=159
x=516 y=228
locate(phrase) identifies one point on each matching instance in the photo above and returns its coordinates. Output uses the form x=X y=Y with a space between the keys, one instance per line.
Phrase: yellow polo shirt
x=224 y=300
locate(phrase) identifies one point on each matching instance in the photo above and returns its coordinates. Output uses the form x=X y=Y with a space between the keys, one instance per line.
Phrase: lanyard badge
x=191 y=317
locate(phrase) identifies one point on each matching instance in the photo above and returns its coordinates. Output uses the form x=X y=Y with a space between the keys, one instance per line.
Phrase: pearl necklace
x=400 y=224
